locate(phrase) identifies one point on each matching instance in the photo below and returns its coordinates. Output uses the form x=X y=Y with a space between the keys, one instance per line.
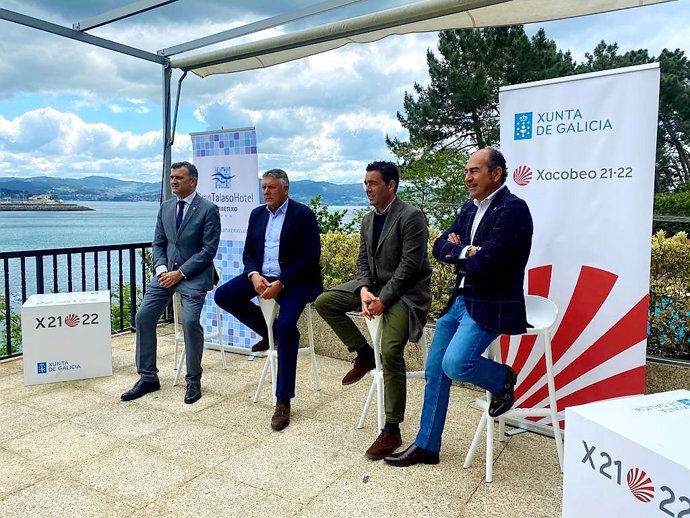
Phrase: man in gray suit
x=184 y=245
x=393 y=280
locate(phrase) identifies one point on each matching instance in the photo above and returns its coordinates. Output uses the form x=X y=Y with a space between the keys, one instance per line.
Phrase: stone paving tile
x=239 y=415
x=16 y=472
x=12 y=386
x=195 y=442
x=62 y=498
x=66 y=400
x=11 y=366
x=219 y=457
x=62 y=446
x=288 y=468
x=380 y=491
x=135 y=475
x=18 y=419
x=501 y=499
x=125 y=420
x=214 y=494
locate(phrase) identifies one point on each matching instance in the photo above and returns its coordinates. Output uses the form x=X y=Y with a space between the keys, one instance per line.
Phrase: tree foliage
x=669 y=304
x=431 y=181
x=334 y=221
x=459 y=108
x=673 y=133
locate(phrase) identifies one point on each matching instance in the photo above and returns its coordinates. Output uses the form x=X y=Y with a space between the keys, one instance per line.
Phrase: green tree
x=673 y=133
x=459 y=108
x=433 y=181
x=458 y=111
x=15 y=329
x=333 y=221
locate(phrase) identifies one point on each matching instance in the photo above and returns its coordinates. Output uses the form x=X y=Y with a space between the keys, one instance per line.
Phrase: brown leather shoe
x=386 y=443
x=260 y=346
x=281 y=416
x=411 y=456
x=360 y=367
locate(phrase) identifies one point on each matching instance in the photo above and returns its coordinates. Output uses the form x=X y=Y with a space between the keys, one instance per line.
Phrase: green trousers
x=333 y=306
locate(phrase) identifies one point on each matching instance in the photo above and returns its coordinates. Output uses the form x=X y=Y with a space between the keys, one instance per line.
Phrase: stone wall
x=661 y=376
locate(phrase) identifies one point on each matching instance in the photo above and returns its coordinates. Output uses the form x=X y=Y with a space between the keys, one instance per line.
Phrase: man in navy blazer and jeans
x=281 y=262
x=489 y=242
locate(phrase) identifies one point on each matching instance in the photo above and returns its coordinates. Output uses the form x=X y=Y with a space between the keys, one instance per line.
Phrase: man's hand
x=169 y=279
x=454 y=238
x=376 y=307
x=272 y=290
x=367 y=298
x=260 y=283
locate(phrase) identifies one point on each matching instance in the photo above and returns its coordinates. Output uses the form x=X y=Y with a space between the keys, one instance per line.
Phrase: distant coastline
x=64 y=207
x=42 y=203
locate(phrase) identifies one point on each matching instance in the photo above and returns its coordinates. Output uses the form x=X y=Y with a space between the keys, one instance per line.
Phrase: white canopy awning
x=425 y=16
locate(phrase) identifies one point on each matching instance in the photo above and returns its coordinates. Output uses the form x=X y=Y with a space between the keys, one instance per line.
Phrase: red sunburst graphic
x=640 y=485
x=72 y=320
x=522 y=175
x=575 y=380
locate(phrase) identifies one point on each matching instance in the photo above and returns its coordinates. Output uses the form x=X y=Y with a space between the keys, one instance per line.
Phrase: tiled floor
x=75 y=450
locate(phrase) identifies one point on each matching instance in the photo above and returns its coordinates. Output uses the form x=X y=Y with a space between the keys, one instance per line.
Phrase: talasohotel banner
x=581 y=152
x=228 y=176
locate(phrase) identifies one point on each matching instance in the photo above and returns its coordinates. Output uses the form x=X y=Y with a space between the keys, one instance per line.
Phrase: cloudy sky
x=73 y=110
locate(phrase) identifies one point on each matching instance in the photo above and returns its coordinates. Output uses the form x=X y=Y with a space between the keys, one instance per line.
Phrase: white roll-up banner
x=228 y=176
x=581 y=153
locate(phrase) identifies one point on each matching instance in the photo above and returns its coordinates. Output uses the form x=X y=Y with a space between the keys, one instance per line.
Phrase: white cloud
x=47 y=141
x=324 y=117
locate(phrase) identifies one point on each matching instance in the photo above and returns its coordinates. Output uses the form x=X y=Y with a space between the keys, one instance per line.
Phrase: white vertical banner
x=228 y=176
x=581 y=153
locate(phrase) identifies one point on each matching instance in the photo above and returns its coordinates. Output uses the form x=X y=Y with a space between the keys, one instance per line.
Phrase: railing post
x=40 y=288
x=133 y=286
x=8 y=311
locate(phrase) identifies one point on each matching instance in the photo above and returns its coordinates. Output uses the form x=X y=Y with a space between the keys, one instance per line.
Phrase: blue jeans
x=455 y=354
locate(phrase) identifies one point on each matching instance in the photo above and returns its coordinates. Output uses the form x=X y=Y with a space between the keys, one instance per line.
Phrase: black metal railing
x=121 y=269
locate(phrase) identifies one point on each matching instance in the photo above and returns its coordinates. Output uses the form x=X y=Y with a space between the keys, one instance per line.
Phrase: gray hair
x=278 y=174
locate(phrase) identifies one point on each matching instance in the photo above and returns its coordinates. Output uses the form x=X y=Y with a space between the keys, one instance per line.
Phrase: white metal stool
x=541 y=314
x=179 y=337
x=269 y=308
x=375 y=327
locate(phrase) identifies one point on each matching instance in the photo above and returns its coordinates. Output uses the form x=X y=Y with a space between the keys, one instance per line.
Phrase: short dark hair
x=388 y=170
x=496 y=159
x=191 y=168
x=278 y=174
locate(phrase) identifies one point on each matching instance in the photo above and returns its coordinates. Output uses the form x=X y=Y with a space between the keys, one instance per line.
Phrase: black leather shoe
x=193 y=393
x=411 y=456
x=140 y=388
x=503 y=401
x=260 y=346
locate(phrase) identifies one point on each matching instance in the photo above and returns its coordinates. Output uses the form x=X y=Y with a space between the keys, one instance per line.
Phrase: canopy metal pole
x=166 y=190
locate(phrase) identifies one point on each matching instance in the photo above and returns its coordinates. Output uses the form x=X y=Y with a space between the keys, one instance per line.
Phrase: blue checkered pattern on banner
x=229 y=264
x=226 y=143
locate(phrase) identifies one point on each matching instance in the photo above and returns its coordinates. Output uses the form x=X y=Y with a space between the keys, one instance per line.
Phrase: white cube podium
x=66 y=336
x=628 y=457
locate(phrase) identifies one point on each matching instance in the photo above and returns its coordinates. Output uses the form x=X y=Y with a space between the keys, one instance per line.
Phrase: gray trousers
x=155 y=300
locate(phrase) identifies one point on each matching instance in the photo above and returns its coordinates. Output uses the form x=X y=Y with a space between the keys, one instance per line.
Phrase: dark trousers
x=236 y=296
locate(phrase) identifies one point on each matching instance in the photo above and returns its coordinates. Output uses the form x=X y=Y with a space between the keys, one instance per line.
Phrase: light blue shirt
x=270 y=266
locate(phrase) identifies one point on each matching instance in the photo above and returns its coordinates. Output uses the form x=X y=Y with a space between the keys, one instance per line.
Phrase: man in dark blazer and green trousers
x=393 y=280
